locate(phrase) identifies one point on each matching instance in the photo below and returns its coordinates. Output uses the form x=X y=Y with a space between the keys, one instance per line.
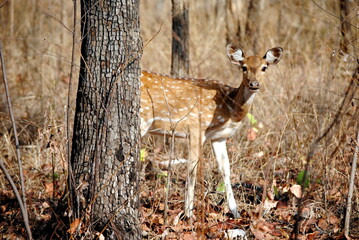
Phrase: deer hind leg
x=220 y=151
x=192 y=163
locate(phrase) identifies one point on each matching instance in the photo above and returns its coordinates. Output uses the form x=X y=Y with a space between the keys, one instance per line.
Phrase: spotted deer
x=203 y=110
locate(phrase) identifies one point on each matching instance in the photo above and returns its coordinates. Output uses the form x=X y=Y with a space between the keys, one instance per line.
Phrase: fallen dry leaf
x=262 y=229
x=296 y=190
x=45 y=205
x=158 y=220
x=259 y=234
x=74 y=226
x=49 y=188
x=282 y=204
x=144 y=227
x=7 y=193
x=46 y=167
x=45 y=217
x=333 y=219
x=323 y=224
x=3 y=208
x=188 y=236
x=269 y=204
x=312 y=235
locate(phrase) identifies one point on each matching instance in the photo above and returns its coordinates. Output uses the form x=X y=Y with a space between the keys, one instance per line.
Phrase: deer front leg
x=220 y=151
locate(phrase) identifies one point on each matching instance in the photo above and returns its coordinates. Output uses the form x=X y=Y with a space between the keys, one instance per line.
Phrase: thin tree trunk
x=233 y=27
x=11 y=25
x=105 y=149
x=344 y=25
x=355 y=78
x=351 y=186
x=253 y=25
x=180 y=38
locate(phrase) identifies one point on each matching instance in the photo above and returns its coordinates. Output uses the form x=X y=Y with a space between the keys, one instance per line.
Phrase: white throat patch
x=249 y=96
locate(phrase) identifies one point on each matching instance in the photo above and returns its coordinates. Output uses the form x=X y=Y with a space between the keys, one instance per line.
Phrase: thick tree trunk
x=106 y=129
x=180 y=38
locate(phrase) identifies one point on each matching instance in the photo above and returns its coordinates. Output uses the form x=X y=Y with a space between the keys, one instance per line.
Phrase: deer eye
x=244 y=68
x=264 y=68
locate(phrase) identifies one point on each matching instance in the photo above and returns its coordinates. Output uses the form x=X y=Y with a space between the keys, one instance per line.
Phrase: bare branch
x=58 y=20
x=349 y=94
x=3 y=4
x=351 y=185
x=71 y=180
x=332 y=14
x=18 y=156
x=18 y=197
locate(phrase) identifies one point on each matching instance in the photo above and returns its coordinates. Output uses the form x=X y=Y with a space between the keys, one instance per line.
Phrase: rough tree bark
x=180 y=38
x=105 y=148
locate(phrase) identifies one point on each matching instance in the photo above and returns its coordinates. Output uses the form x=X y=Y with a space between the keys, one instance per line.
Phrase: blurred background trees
x=180 y=38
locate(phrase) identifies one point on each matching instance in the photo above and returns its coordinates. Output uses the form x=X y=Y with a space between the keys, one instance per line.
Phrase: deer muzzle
x=253 y=85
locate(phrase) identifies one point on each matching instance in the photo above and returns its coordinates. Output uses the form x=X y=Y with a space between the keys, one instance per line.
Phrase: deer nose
x=254 y=85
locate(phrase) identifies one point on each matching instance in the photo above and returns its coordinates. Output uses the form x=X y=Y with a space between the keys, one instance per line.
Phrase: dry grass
x=301 y=97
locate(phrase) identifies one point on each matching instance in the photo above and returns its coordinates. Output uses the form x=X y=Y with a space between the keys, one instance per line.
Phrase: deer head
x=254 y=67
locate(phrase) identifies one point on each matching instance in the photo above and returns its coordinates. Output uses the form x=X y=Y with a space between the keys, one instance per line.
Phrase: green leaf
x=143 y=154
x=251 y=119
x=275 y=189
x=300 y=179
x=162 y=174
x=56 y=176
x=221 y=187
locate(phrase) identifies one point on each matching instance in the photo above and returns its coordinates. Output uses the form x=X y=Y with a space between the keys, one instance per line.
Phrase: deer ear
x=235 y=54
x=273 y=55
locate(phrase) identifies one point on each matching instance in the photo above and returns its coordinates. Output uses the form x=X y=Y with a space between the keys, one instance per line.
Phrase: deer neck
x=239 y=102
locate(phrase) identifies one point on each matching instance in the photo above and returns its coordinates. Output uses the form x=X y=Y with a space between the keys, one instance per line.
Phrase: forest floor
x=322 y=214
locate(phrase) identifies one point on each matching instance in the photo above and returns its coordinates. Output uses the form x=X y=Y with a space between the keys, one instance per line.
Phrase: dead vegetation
x=301 y=97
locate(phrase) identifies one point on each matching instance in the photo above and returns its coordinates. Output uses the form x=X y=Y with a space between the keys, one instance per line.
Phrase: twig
x=173 y=130
x=153 y=37
x=169 y=172
x=59 y=21
x=333 y=15
x=265 y=187
x=351 y=185
x=71 y=180
x=201 y=175
x=169 y=175
x=18 y=197
x=349 y=94
x=18 y=156
x=3 y=4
